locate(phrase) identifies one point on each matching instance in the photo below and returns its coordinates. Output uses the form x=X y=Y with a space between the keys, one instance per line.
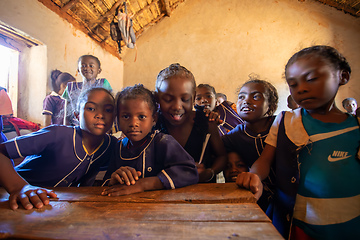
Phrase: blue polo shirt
x=55 y=157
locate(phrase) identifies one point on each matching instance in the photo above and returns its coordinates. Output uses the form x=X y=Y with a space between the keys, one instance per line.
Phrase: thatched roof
x=94 y=16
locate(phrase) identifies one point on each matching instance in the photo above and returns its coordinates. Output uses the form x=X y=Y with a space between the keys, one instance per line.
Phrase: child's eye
x=241 y=97
x=90 y=109
x=198 y=98
x=142 y=117
x=185 y=99
x=257 y=97
x=167 y=99
x=109 y=110
x=125 y=116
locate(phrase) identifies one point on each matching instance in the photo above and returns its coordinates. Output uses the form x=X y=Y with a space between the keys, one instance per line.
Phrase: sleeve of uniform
x=230 y=140
x=47 y=106
x=66 y=93
x=179 y=167
x=271 y=138
x=107 y=85
x=31 y=144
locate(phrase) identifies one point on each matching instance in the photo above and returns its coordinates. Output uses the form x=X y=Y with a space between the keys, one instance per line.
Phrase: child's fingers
x=116 y=178
x=13 y=201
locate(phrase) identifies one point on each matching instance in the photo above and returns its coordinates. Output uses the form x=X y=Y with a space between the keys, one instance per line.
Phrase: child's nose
x=134 y=122
x=204 y=100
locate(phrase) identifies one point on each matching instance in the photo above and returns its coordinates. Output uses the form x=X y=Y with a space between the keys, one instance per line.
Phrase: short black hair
x=135 y=92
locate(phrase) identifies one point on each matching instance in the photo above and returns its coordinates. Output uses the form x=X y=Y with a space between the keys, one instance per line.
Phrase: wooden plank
x=109 y=220
x=198 y=193
x=149 y=230
x=96 y=212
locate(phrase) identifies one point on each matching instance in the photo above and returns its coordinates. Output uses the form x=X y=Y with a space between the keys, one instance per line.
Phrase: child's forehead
x=177 y=83
x=98 y=96
x=88 y=59
x=253 y=87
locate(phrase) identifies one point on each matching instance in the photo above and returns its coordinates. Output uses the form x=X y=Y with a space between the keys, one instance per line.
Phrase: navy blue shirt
x=55 y=157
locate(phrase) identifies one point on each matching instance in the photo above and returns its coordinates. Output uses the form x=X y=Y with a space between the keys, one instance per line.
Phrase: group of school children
x=302 y=165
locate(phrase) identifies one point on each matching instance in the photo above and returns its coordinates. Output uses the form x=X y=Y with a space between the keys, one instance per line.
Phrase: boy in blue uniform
x=146 y=159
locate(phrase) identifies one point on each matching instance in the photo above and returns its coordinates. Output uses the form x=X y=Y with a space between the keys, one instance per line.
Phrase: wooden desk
x=202 y=211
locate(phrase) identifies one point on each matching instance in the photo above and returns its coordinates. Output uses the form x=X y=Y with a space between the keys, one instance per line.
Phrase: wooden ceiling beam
x=55 y=8
x=166 y=3
x=106 y=15
x=68 y=5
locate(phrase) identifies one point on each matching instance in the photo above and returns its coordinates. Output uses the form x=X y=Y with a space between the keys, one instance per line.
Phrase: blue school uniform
x=55 y=157
x=159 y=155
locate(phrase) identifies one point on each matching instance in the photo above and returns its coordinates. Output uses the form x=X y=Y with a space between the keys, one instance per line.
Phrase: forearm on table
x=9 y=178
x=262 y=165
x=150 y=183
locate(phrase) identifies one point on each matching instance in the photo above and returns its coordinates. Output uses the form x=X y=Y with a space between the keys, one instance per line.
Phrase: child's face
x=234 y=167
x=205 y=97
x=135 y=119
x=313 y=83
x=97 y=113
x=350 y=106
x=89 y=68
x=252 y=102
x=176 y=98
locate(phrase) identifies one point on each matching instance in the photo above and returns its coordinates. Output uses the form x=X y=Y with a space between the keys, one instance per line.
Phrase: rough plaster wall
x=223 y=41
x=64 y=45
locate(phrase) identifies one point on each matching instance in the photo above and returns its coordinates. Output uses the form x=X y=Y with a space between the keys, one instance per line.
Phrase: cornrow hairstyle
x=221 y=95
x=135 y=92
x=174 y=69
x=271 y=93
x=84 y=93
x=91 y=56
x=329 y=54
x=211 y=88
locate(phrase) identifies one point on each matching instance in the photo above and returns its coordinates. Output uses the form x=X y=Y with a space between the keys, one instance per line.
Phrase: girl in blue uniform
x=257 y=102
x=146 y=159
x=316 y=153
x=62 y=155
x=175 y=91
x=89 y=68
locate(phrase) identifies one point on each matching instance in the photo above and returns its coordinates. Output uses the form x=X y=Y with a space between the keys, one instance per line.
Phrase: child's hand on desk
x=30 y=196
x=250 y=181
x=124 y=175
x=119 y=190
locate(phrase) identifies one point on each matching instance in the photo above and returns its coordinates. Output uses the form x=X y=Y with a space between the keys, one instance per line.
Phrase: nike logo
x=337 y=156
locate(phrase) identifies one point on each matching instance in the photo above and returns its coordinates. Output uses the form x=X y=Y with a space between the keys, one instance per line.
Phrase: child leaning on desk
x=145 y=159
x=62 y=156
x=315 y=148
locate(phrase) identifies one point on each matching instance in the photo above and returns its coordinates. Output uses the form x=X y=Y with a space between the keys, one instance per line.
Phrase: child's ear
x=344 y=77
x=99 y=70
x=155 y=117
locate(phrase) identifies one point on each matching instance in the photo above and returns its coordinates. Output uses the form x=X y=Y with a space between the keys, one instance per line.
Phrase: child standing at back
x=146 y=159
x=257 y=102
x=316 y=148
x=89 y=68
x=53 y=105
x=64 y=156
x=175 y=92
x=206 y=96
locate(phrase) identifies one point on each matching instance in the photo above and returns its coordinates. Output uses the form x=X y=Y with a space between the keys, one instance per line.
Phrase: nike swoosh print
x=331 y=159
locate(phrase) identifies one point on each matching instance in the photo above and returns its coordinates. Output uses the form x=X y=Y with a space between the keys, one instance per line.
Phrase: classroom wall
x=222 y=42
x=62 y=46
